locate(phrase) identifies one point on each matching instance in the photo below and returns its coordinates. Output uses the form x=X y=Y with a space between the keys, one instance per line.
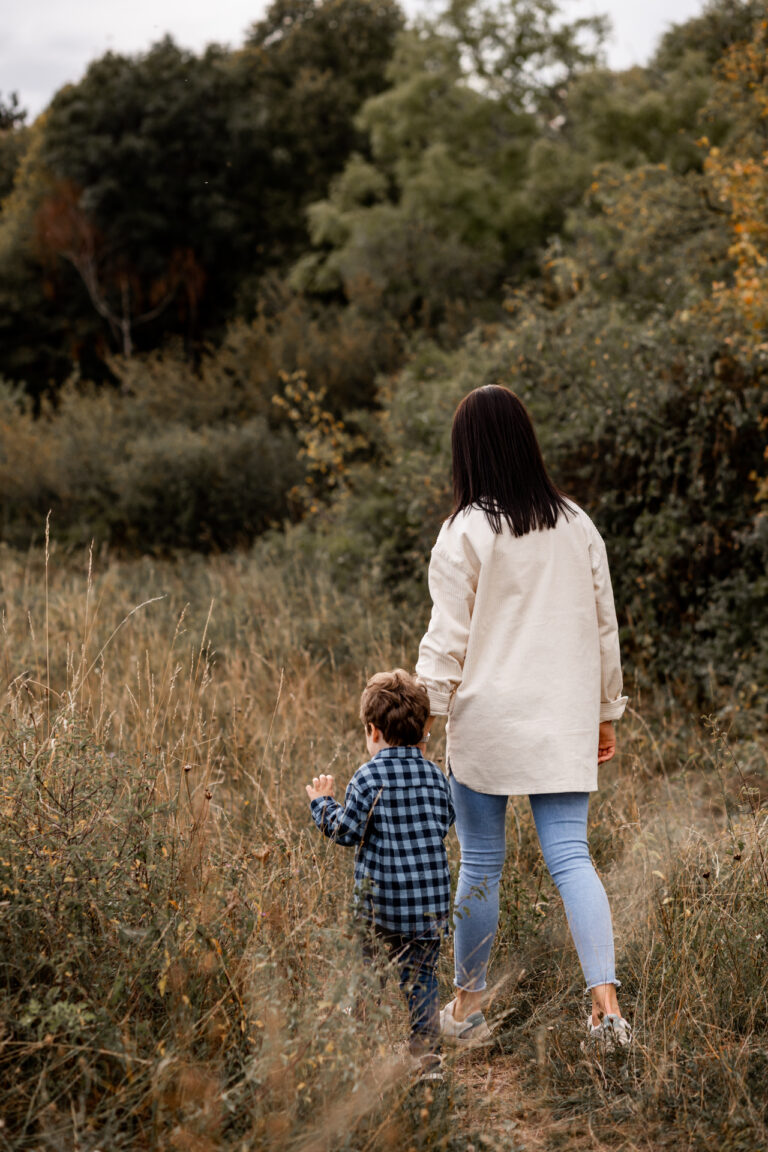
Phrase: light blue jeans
x=561 y=824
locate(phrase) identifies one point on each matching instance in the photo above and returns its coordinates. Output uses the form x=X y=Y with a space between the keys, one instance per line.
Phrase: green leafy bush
x=658 y=428
x=205 y=488
x=116 y=467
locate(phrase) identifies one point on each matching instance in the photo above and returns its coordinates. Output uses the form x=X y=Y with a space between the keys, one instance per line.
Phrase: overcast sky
x=48 y=43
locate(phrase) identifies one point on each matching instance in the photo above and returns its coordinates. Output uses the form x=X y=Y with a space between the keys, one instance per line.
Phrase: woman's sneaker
x=473 y=1030
x=610 y=1035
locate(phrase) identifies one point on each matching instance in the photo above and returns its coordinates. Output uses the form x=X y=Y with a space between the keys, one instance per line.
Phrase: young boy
x=397 y=810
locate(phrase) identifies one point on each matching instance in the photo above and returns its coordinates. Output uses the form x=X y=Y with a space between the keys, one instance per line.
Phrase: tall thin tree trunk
x=125 y=320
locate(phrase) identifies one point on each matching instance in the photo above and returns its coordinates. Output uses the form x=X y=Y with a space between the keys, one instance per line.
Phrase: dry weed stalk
x=174 y=944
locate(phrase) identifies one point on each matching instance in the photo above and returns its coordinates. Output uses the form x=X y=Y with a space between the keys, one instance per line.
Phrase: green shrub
x=109 y=470
x=655 y=425
x=205 y=489
x=61 y=461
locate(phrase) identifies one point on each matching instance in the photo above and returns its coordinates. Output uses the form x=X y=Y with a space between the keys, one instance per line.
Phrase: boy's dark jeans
x=416 y=959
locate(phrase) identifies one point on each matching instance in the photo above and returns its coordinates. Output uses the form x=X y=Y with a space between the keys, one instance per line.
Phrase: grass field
x=175 y=951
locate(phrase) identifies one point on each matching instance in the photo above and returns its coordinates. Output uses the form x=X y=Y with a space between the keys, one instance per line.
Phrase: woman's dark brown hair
x=498 y=466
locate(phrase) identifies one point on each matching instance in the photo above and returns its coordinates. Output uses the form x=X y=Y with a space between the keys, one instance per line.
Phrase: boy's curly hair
x=397 y=703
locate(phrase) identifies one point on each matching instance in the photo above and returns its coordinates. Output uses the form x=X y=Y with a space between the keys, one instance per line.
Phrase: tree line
x=246 y=287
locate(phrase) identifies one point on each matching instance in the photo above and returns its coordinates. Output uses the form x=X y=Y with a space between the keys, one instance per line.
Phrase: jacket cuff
x=613 y=709
x=438 y=701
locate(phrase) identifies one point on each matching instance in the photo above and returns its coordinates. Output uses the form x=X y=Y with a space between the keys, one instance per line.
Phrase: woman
x=522 y=655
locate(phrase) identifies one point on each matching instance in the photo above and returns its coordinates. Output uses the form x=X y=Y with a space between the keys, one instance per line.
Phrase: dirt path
x=496 y=1103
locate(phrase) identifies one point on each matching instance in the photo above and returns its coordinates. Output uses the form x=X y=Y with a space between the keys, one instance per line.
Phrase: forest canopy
x=242 y=291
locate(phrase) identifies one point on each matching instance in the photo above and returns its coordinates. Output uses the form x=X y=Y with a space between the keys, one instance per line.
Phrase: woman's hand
x=422 y=744
x=606 y=742
x=320 y=786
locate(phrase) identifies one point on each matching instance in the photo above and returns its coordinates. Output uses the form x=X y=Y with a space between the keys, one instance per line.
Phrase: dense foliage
x=281 y=267
x=240 y=296
x=156 y=192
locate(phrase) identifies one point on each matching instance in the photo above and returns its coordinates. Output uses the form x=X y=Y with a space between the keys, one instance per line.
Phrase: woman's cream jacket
x=522 y=653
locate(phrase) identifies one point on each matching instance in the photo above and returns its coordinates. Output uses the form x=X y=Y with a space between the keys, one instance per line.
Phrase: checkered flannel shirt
x=397 y=810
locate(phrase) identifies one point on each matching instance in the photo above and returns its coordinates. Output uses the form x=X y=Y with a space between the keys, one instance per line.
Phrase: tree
x=737 y=170
x=306 y=70
x=12 y=140
x=65 y=230
x=443 y=210
x=522 y=51
x=167 y=185
x=140 y=197
x=721 y=25
x=40 y=330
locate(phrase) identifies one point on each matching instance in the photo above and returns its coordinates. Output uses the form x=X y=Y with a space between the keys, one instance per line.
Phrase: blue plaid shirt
x=397 y=809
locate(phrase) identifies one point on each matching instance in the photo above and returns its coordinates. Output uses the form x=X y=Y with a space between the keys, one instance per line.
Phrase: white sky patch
x=638 y=25
x=48 y=43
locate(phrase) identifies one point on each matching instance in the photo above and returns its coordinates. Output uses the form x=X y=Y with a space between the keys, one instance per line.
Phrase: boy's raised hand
x=320 y=786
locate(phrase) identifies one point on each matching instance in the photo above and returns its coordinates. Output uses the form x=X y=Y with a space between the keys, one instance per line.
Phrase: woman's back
x=523 y=639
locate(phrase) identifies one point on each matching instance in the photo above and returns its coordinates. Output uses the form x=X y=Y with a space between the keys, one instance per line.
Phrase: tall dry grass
x=175 y=950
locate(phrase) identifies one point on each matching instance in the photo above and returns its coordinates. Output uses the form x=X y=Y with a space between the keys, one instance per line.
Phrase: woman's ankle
x=604 y=1002
x=466 y=1003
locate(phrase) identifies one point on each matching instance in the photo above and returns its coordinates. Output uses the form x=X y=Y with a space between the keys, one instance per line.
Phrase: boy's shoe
x=612 y=1034
x=474 y=1030
x=428 y=1068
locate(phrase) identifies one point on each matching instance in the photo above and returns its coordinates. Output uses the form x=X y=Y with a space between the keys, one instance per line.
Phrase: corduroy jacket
x=522 y=653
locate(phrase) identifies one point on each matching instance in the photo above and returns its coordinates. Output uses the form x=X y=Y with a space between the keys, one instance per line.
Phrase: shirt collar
x=398 y=752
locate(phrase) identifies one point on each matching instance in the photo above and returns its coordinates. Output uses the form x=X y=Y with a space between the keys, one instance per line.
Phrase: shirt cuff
x=613 y=709
x=318 y=806
x=438 y=700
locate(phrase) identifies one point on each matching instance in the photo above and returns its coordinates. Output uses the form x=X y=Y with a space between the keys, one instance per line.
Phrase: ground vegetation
x=241 y=294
